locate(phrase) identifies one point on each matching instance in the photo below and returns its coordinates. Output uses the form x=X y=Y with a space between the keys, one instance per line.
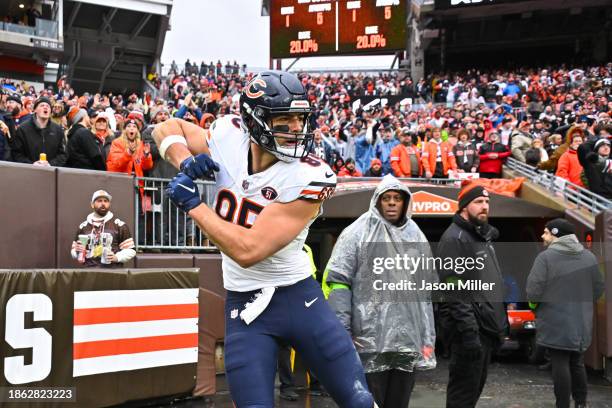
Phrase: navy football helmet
x=271 y=94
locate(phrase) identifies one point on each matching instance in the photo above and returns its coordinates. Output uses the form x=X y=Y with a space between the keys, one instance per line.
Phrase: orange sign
x=428 y=203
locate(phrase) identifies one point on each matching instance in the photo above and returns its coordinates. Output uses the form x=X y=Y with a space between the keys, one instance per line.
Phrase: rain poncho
x=391 y=329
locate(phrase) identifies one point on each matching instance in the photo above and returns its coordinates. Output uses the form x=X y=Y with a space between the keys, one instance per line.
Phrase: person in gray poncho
x=390 y=319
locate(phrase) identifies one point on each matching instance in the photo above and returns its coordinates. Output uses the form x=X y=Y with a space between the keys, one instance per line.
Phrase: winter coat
x=565 y=281
x=472 y=311
x=569 y=167
x=384 y=150
x=344 y=172
x=521 y=142
x=488 y=164
x=120 y=161
x=85 y=151
x=389 y=329
x=429 y=156
x=400 y=161
x=466 y=156
x=30 y=141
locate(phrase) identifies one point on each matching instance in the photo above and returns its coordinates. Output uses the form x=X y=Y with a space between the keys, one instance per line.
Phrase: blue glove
x=183 y=192
x=200 y=166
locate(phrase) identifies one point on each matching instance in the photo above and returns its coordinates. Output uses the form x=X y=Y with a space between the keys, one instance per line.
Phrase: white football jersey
x=240 y=197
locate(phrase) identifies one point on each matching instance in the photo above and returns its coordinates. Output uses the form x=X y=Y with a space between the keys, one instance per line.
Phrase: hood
x=391 y=183
x=568 y=244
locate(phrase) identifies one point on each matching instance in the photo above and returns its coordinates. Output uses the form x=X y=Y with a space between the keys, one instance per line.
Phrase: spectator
x=320 y=148
x=437 y=157
x=536 y=154
x=349 y=169
x=551 y=164
x=128 y=153
x=58 y=115
x=384 y=148
x=492 y=156
x=103 y=240
x=10 y=113
x=405 y=157
x=161 y=168
x=473 y=321
x=338 y=162
x=394 y=338
x=466 y=153
x=86 y=150
x=565 y=282
x=375 y=169
x=569 y=167
x=598 y=169
x=25 y=112
x=40 y=135
x=521 y=141
x=4 y=141
x=552 y=143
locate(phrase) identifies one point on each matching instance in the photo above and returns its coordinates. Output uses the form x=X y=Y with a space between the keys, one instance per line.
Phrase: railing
x=160 y=225
x=44 y=28
x=570 y=192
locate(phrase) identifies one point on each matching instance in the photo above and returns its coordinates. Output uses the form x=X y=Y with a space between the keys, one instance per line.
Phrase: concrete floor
x=510 y=384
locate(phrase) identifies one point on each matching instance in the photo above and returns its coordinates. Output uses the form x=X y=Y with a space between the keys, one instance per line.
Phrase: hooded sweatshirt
x=390 y=328
x=565 y=281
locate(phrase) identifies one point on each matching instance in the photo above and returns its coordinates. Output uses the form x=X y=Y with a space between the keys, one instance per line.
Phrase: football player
x=268 y=193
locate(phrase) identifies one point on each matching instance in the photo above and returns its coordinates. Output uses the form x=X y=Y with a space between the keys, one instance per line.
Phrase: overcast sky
x=234 y=30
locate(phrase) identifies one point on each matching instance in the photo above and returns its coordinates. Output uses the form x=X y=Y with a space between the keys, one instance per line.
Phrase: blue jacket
x=364 y=153
x=383 y=152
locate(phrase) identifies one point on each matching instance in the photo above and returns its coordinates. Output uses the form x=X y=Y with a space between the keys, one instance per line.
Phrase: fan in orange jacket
x=568 y=166
x=434 y=147
x=128 y=153
x=404 y=155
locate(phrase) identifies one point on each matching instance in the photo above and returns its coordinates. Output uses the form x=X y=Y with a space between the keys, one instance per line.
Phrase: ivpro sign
x=424 y=203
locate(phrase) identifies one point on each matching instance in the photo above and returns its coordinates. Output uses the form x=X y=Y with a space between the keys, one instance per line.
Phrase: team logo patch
x=252 y=91
x=485 y=193
x=245 y=185
x=269 y=193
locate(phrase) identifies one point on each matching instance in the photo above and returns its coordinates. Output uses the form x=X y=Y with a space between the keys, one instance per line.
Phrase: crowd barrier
x=570 y=192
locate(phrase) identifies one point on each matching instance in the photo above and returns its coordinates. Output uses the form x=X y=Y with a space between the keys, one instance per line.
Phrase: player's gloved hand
x=200 y=166
x=471 y=348
x=183 y=192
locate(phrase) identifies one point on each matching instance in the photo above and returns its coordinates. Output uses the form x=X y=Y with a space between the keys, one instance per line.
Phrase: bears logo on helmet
x=252 y=92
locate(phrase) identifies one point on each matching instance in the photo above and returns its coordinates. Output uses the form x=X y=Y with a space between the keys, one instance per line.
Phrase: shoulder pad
x=119 y=222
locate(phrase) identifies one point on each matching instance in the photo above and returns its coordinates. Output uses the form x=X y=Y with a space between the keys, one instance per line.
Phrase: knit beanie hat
x=469 y=193
x=560 y=227
x=75 y=115
x=42 y=99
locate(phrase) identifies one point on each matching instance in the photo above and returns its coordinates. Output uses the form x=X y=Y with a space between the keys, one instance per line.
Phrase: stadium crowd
x=365 y=124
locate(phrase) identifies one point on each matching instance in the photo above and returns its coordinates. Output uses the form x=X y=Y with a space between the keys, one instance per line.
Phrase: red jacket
x=569 y=168
x=488 y=164
x=344 y=172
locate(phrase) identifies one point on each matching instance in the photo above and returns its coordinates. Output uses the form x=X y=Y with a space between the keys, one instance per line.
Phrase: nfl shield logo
x=245 y=185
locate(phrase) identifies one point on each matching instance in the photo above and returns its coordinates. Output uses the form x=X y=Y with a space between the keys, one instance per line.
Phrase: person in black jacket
x=39 y=135
x=85 y=150
x=472 y=321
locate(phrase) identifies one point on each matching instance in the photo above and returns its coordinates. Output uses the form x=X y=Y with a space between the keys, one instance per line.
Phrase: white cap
x=100 y=193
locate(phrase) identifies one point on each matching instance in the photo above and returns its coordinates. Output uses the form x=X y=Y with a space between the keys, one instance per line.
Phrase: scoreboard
x=301 y=28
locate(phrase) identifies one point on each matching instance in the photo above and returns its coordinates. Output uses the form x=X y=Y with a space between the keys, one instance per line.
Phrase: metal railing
x=160 y=225
x=570 y=192
x=43 y=28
